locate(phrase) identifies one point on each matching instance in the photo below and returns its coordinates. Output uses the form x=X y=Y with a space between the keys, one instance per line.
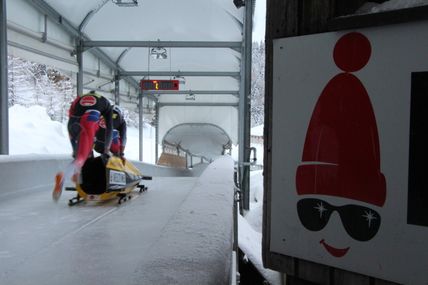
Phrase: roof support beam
x=90 y=15
x=116 y=90
x=140 y=127
x=244 y=108
x=43 y=7
x=4 y=96
x=79 y=57
x=36 y=51
x=122 y=55
x=157 y=132
x=173 y=44
x=200 y=104
x=46 y=9
x=181 y=73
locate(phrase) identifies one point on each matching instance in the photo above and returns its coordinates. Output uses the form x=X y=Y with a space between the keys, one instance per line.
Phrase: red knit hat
x=341 y=153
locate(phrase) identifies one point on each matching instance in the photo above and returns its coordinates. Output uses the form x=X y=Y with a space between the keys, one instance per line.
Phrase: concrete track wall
x=22 y=172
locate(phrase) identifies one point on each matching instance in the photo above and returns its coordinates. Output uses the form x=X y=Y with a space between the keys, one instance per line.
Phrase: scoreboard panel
x=159 y=84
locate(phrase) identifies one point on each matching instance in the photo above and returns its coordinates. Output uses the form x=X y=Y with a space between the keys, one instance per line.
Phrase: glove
x=105 y=157
x=122 y=157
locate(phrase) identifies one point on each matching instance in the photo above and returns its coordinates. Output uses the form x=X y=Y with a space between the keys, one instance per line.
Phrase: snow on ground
x=31 y=131
x=250 y=229
x=257 y=131
x=132 y=145
x=250 y=242
x=254 y=216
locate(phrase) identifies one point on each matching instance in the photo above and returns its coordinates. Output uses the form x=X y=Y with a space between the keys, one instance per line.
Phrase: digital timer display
x=159 y=84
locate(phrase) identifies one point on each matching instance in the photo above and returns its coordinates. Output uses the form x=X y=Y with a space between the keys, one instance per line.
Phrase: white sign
x=117 y=177
x=349 y=173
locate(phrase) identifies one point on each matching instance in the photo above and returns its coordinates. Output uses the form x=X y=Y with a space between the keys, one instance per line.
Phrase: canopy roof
x=205 y=140
x=199 y=42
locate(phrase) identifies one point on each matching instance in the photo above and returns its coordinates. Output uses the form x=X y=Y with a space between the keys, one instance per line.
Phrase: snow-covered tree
x=20 y=82
x=64 y=94
x=38 y=84
x=257 y=84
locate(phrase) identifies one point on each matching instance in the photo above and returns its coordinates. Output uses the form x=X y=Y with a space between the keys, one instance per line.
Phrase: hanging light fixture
x=159 y=53
x=125 y=3
x=190 y=97
x=181 y=79
x=239 y=3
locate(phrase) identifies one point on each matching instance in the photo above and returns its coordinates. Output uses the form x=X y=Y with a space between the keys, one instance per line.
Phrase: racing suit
x=119 y=135
x=84 y=116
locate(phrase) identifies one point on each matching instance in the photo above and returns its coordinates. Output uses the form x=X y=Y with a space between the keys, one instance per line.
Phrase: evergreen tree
x=37 y=84
x=257 y=84
x=20 y=82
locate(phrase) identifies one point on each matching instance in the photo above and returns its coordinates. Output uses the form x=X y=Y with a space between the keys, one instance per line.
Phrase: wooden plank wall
x=286 y=18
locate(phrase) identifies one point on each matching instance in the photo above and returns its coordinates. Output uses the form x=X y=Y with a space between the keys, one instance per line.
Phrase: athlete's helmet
x=117 y=110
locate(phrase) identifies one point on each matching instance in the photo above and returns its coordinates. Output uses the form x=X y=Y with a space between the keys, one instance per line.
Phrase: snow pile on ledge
x=195 y=247
x=372 y=7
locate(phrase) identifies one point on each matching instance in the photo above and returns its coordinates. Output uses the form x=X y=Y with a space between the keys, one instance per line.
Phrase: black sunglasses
x=361 y=223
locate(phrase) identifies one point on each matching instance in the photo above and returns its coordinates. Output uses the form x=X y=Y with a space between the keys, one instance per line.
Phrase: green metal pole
x=4 y=100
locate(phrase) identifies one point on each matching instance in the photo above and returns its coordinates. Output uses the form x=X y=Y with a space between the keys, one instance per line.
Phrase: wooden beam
x=314 y=16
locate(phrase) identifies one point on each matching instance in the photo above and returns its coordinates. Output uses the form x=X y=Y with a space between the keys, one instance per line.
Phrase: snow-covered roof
x=202 y=40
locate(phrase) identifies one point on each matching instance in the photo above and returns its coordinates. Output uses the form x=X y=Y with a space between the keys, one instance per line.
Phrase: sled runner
x=102 y=180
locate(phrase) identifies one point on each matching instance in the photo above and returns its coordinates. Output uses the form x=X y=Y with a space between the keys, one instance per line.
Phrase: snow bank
x=250 y=243
x=254 y=216
x=31 y=131
x=149 y=148
x=250 y=229
x=257 y=131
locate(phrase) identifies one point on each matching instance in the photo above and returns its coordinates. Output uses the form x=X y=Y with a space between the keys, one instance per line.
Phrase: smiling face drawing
x=360 y=223
x=341 y=155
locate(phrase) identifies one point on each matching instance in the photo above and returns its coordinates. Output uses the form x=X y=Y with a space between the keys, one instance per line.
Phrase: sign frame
x=291 y=112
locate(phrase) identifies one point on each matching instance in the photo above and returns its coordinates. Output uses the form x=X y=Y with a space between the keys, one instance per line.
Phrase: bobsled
x=104 y=179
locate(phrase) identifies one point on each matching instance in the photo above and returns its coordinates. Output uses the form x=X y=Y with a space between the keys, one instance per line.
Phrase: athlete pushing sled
x=91 y=119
